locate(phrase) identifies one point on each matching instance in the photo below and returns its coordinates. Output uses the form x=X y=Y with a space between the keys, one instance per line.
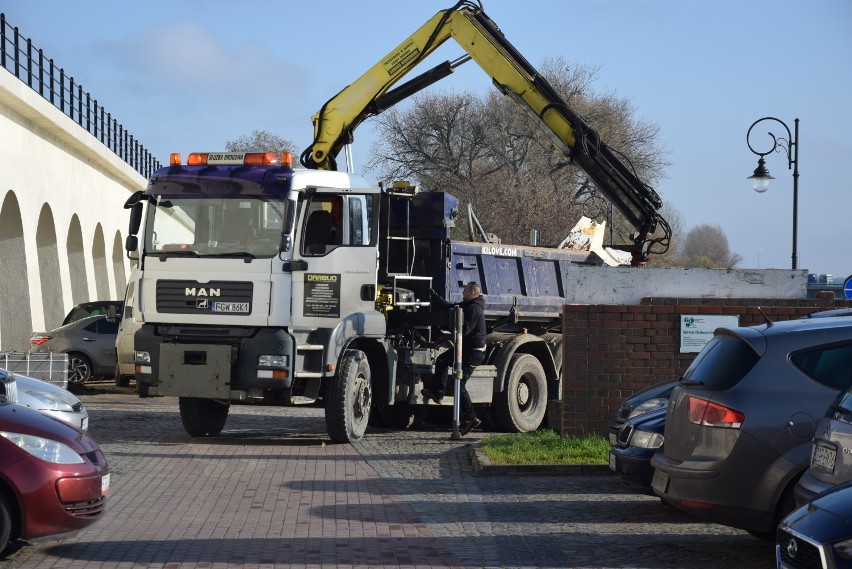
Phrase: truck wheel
x=520 y=408
x=348 y=398
x=202 y=417
x=5 y=523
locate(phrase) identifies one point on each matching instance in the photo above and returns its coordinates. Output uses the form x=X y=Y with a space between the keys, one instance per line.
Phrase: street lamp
x=761 y=177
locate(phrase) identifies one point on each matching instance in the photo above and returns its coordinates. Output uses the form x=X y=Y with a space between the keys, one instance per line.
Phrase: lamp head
x=761 y=177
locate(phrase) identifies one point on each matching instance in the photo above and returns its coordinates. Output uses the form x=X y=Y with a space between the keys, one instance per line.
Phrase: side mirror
x=131 y=243
x=135 y=218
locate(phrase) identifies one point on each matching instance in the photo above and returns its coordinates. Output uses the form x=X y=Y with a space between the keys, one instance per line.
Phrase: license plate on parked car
x=104 y=484
x=660 y=481
x=613 y=438
x=612 y=461
x=824 y=458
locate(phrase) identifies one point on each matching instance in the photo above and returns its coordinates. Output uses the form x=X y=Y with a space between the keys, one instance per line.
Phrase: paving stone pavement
x=271 y=491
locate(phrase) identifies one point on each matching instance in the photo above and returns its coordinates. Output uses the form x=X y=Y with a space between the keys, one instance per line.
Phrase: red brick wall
x=611 y=351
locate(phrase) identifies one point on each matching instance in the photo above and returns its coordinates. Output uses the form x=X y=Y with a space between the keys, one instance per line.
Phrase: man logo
x=202 y=303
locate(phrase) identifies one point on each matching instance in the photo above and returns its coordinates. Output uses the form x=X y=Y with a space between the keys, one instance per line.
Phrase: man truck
x=258 y=281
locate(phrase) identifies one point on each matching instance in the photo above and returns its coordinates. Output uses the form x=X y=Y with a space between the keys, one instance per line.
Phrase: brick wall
x=611 y=351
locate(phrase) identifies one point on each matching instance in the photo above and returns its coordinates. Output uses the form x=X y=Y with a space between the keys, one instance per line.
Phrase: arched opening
x=99 y=263
x=77 y=262
x=118 y=266
x=48 y=267
x=16 y=324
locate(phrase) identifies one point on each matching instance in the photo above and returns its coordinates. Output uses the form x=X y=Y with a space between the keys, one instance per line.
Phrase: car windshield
x=204 y=227
x=722 y=363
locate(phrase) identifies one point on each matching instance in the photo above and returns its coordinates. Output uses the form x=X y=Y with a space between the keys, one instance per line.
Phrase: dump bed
x=525 y=282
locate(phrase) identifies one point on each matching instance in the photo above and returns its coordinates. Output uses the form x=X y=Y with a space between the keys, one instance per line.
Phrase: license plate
x=824 y=458
x=104 y=484
x=613 y=438
x=230 y=307
x=612 y=461
x=660 y=481
x=84 y=423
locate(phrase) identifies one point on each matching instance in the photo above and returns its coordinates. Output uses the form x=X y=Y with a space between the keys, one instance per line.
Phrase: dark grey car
x=739 y=425
x=89 y=343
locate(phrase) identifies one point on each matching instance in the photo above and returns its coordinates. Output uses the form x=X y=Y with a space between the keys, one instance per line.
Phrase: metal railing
x=21 y=59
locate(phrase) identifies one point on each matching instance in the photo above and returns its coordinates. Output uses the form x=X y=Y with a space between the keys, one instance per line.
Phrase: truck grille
x=215 y=297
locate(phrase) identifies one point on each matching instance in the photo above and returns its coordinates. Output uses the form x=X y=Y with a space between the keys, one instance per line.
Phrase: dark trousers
x=444 y=364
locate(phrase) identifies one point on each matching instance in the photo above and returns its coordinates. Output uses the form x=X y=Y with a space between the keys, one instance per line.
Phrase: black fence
x=21 y=59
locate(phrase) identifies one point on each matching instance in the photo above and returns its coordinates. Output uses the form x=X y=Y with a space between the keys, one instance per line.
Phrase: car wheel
x=121 y=380
x=5 y=523
x=79 y=369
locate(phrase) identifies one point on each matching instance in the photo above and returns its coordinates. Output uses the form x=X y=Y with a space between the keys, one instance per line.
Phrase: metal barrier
x=21 y=59
x=49 y=366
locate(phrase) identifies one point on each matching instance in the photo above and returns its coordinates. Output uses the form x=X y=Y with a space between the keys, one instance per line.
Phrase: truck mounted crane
x=260 y=283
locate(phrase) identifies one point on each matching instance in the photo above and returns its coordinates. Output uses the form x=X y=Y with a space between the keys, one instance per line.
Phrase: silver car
x=831 y=461
x=50 y=399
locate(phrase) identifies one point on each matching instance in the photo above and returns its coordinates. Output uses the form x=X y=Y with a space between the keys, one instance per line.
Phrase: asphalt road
x=272 y=491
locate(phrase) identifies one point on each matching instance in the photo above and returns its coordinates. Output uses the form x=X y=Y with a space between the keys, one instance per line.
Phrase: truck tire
x=348 y=399
x=202 y=417
x=521 y=407
x=5 y=523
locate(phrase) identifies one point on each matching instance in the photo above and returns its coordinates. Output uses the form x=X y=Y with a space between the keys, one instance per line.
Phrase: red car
x=53 y=477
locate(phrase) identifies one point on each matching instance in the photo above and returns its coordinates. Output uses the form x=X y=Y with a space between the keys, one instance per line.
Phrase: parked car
x=740 y=422
x=89 y=343
x=819 y=533
x=831 y=461
x=51 y=400
x=55 y=477
x=636 y=433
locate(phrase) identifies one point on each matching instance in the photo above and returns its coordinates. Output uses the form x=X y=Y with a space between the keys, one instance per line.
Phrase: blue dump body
x=521 y=281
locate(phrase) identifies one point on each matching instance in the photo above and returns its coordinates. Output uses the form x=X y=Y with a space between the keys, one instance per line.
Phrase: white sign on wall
x=697 y=329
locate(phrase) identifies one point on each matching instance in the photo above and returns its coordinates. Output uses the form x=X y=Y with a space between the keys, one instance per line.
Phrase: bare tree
x=706 y=246
x=261 y=141
x=487 y=152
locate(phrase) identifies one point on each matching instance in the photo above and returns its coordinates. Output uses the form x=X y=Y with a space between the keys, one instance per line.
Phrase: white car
x=51 y=400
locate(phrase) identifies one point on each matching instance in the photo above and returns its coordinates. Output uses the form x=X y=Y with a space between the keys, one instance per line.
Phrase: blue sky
x=187 y=76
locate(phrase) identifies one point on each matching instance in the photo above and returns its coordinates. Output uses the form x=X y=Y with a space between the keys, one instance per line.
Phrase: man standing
x=473 y=353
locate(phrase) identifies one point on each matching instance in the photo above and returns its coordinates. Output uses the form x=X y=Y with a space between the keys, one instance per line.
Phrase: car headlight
x=143 y=358
x=648 y=406
x=51 y=402
x=646 y=439
x=843 y=549
x=47 y=450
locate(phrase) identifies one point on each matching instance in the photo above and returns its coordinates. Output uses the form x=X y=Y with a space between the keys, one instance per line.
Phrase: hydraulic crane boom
x=482 y=40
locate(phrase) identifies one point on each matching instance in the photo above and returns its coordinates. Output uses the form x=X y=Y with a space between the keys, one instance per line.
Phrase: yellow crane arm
x=482 y=40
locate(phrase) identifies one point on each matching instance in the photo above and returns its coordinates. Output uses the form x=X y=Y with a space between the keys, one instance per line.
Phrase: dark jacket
x=473 y=330
x=474 y=323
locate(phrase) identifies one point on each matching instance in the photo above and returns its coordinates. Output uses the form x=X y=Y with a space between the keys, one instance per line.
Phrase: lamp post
x=761 y=176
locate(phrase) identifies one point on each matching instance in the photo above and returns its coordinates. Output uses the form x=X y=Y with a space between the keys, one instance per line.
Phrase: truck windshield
x=204 y=227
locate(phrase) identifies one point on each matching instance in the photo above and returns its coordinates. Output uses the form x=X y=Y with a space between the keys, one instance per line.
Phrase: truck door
x=335 y=262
